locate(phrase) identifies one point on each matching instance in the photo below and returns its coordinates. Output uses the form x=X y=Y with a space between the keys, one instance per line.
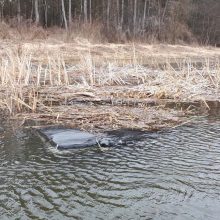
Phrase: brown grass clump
x=4 y=31
x=15 y=31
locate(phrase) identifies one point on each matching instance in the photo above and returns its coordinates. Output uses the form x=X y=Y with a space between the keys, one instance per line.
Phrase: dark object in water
x=63 y=138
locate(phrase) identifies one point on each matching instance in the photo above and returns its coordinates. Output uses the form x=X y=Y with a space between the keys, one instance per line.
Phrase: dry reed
x=29 y=83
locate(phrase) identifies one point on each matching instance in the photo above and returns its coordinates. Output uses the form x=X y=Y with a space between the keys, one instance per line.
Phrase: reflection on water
x=169 y=175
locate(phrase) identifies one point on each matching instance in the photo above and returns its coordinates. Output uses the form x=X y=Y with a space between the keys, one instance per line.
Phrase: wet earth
x=174 y=174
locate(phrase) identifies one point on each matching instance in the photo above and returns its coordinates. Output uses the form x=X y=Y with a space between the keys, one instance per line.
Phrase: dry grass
x=102 y=86
x=28 y=31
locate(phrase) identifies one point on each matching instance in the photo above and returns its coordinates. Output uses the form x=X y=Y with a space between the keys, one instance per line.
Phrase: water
x=169 y=175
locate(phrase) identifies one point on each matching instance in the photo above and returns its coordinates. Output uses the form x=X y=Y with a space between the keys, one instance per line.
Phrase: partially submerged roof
x=68 y=138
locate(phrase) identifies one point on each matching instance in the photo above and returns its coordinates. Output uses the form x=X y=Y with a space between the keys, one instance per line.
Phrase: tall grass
x=22 y=75
x=28 y=31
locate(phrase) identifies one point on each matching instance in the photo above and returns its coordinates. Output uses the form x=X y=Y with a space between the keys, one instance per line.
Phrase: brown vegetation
x=107 y=86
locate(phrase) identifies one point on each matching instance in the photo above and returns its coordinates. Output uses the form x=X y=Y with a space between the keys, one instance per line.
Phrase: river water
x=173 y=174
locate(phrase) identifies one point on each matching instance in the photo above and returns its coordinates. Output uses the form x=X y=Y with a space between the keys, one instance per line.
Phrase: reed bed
x=91 y=91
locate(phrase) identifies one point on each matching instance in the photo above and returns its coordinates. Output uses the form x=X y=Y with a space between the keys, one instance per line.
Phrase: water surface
x=168 y=175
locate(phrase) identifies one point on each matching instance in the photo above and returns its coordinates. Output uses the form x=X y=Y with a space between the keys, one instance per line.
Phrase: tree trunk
x=2 y=10
x=37 y=16
x=19 y=11
x=70 y=12
x=45 y=12
x=108 y=14
x=32 y=10
x=90 y=11
x=122 y=12
x=135 y=16
x=64 y=15
x=85 y=11
x=144 y=15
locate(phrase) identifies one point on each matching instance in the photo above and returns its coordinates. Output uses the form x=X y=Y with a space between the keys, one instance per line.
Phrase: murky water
x=168 y=175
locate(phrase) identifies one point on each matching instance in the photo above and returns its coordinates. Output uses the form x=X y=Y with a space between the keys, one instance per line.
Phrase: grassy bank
x=106 y=86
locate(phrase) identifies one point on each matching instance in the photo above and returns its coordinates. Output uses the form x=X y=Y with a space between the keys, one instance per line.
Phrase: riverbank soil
x=108 y=86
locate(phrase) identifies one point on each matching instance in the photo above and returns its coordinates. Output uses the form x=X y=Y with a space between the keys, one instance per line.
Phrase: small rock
x=106 y=142
x=2 y=129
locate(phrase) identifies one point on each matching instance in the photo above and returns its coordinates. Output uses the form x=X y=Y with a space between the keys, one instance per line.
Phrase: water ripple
x=169 y=175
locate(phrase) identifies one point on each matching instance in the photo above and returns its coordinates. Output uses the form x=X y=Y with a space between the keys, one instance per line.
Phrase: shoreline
x=95 y=93
x=87 y=111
